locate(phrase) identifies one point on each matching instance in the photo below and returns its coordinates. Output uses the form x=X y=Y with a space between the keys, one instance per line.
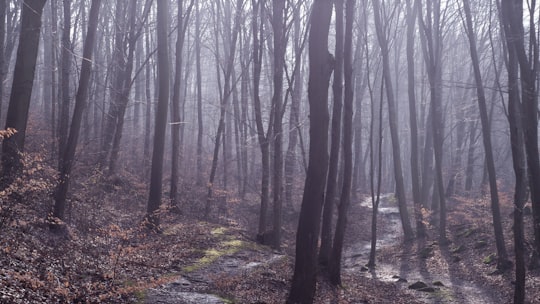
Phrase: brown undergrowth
x=107 y=256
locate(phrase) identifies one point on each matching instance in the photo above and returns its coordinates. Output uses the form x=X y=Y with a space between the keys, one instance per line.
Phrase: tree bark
x=528 y=64
x=392 y=116
x=63 y=118
x=415 y=171
x=21 y=89
x=81 y=98
x=502 y=261
x=225 y=96
x=519 y=162
x=258 y=29
x=156 y=175
x=321 y=65
x=331 y=182
x=278 y=24
x=344 y=201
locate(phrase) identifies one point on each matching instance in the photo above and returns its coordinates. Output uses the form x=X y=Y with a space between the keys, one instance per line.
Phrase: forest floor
x=107 y=255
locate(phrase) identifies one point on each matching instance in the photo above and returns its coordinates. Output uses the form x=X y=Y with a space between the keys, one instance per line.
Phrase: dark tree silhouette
x=21 y=89
x=68 y=154
x=321 y=65
x=156 y=173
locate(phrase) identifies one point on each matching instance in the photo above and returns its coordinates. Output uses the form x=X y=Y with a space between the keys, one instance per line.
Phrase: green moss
x=211 y=255
x=218 y=231
x=489 y=259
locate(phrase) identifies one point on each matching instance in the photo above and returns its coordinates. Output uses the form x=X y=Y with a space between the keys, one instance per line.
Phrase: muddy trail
x=411 y=269
x=436 y=270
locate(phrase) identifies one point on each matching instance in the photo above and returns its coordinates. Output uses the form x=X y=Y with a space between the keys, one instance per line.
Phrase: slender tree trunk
x=278 y=24
x=21 y=89
x=154 y=197
x=223 y=103
x=415 y=171
x=258 y=30
x=200 y=128
x=321 y=65
x=63 y=119
x=433 y=58
x=3 y=8
x=519 y=165
x=148 y=111
x=344 y=201
x=175 y=102
x=392 y=116
x=81 y=99
x=290 y=158
x=469 y=171
x=502 y=261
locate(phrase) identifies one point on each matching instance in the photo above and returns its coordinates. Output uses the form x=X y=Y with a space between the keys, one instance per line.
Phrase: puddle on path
x=454 y=290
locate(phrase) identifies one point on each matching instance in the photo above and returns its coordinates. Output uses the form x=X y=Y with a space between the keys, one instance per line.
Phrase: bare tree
x=278 y=24
x=81 y=98
x=321 y=65
x=502 y=261
x=331 y=182
x=344 y=201
x=21 y=89
x=392 y=116
x=156 y=175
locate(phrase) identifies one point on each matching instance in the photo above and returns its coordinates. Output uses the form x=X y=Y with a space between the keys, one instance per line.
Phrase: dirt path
x=444 y=284
x=196 y=283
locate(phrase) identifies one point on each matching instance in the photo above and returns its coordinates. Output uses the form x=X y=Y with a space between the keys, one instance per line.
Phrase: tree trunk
x=200 y=129
x=392 y=116
x=433 y=58
x=21 y=89
x=519 y=163
x=415 y=171
x=502 y=260
x=258 y=30
x=156 y=175
x=321 y=65
x=331 y=182
x=278 y=24
x=528 y=64
x=344 y=201
x=175 y=102
x=63 y=118
x=81 y=98
x=223 y=103
x=290 y=157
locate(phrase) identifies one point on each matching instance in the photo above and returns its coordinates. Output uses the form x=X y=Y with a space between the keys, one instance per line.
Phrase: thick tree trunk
x=528 y=64
x=156 y=175
x=519 y=165
x=21 y=89
x=331 y=182
x=321 y=66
